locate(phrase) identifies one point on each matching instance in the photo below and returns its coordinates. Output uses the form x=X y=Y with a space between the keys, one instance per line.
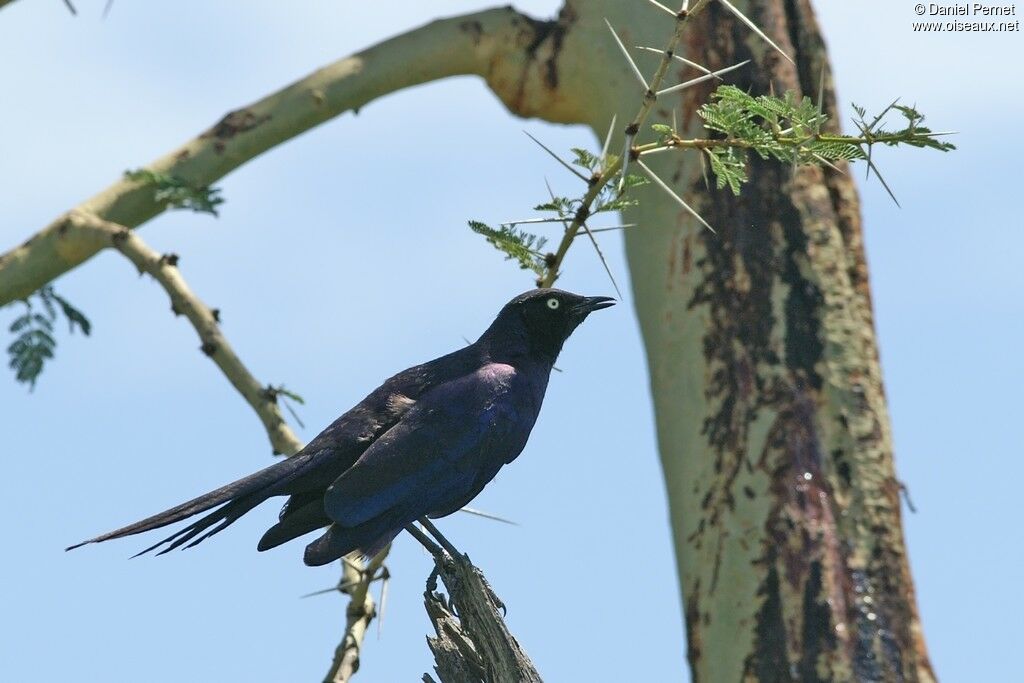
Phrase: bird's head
x=539 y=321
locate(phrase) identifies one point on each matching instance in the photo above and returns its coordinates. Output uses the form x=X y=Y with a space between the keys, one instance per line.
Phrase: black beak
x=593 y=303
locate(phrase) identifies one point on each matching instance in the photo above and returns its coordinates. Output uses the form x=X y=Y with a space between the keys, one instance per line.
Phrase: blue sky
x=343 y=256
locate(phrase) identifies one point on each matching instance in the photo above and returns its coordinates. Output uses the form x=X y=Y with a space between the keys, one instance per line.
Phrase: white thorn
x=684 y=60
x=559 y=159
x=753 y=27
x=661 y=183
x=701 y=79
x=629 y=59
x=607 y=142
x=662 y=8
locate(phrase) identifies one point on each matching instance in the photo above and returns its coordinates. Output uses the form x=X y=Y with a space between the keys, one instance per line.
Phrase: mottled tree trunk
x=772 y=421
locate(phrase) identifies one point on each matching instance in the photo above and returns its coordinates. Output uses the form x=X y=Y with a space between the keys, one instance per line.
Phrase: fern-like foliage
x=178 y=193
x=34 y=344
x=518 y=245
x=789 y=129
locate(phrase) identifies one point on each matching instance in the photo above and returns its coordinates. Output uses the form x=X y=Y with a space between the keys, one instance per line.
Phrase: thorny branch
x=355 y=581
x=206 y=321
x=163 y=268
x=601 y=178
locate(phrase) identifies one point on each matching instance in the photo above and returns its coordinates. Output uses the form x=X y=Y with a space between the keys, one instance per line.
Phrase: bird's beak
x=593 y=303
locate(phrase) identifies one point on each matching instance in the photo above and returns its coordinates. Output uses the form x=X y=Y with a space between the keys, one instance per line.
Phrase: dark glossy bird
x=424 y=443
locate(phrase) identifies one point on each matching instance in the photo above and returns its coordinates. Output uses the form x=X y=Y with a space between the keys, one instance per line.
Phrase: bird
x=422 y=444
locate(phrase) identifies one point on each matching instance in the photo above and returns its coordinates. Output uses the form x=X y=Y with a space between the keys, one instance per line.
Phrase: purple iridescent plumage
x=424 y=443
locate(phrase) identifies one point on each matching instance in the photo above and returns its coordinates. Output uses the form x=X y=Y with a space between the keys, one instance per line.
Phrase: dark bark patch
x=768 y=663
x=818 y=632
x=693 y=644
x=804 y=347
x=555 y=31
x=233 y=123
x=474 y=29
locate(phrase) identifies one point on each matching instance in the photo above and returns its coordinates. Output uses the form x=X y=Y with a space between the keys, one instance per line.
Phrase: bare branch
x=631 y=131
x=183 y=301
x=361 y=611
x=472 y=643
x=438 y=50
x=164 y=270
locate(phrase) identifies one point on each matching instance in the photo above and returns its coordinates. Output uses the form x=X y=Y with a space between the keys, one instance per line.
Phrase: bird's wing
x=456 y=433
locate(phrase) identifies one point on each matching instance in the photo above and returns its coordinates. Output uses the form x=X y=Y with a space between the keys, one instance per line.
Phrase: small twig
x=590 y=234
x=185 y=302
x=905 y=491
x=355 y=580
x=361 y=611
x=594 y=189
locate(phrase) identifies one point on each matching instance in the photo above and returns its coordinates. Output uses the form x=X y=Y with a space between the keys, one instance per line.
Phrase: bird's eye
x=553 y=303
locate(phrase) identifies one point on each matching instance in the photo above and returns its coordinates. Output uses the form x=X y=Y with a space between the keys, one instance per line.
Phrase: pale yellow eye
x=553 y=303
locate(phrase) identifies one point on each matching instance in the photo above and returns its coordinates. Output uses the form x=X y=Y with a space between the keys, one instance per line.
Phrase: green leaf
x=617 y=204
x=633 y=180
x=73 y=315
x=788 y=129
x=584 y=159
x=517 y=245
x=35 y=343
x=730 y=168
x=562 y=205
x=177 y=192
x=20 y=322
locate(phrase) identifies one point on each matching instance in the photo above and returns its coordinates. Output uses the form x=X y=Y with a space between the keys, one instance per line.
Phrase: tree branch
x=476 y=43
x=163 y=268
x=83 y=227
x=599 y=180
x=361 y=610
x=473 y=644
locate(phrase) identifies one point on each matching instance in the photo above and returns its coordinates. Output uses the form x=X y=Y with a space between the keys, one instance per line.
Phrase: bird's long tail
x=240 y=497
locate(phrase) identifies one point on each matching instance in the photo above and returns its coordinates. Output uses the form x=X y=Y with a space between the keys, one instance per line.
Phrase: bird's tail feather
x=294 y=523
x=369 y=538
x=240 y=496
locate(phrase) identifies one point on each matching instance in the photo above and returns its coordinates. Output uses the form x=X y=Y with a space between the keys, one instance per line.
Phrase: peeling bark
x=473 y=644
